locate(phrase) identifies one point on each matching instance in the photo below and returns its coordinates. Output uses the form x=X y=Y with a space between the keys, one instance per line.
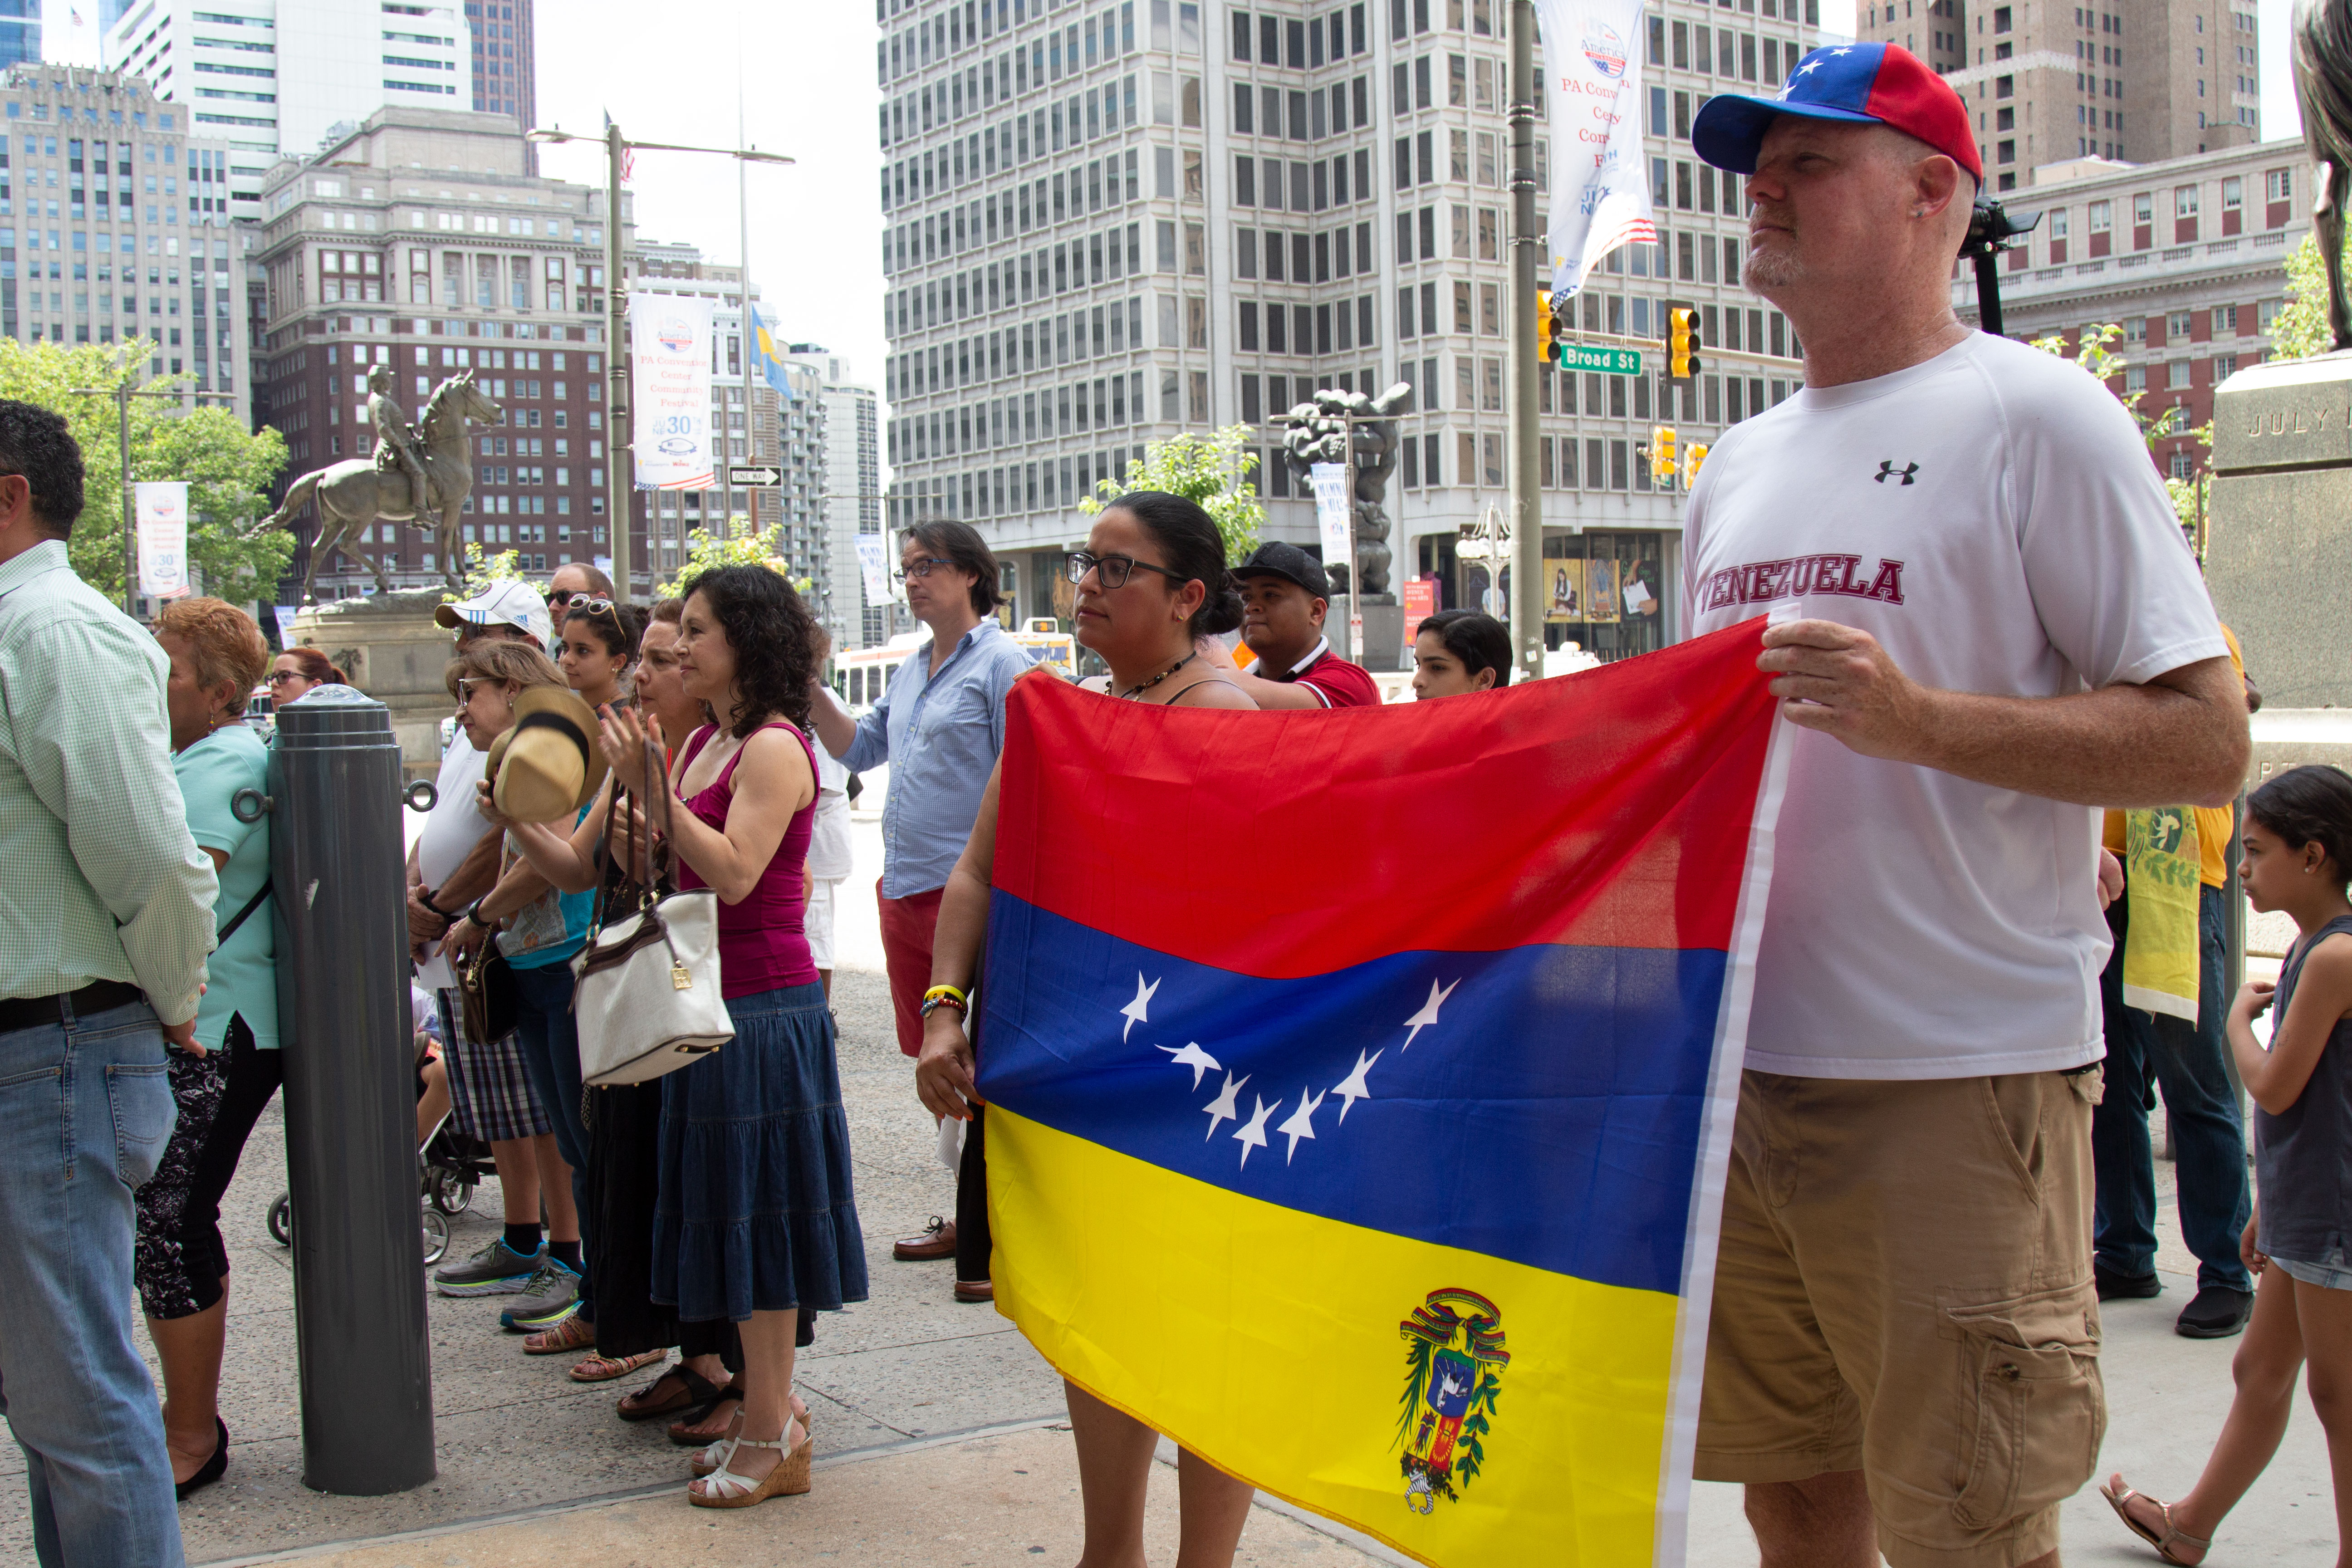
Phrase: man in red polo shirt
x=1285 y=595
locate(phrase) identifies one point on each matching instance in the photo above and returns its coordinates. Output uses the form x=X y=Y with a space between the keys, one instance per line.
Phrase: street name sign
x=1607 y=362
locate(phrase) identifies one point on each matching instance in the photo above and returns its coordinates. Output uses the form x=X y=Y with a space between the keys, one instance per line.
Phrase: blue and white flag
x=767 y=357
x=1599 y=199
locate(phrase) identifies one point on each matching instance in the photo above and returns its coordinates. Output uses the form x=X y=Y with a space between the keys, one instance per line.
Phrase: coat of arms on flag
x=1397 y=1047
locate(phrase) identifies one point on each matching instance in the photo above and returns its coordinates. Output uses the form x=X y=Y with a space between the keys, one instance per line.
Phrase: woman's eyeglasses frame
x=1114 y=569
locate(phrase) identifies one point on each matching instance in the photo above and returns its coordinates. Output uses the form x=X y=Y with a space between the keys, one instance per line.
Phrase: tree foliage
x=1211 y=470
x=738 y=546
x=484 y=572
x=227 y=468
x=2301 y=328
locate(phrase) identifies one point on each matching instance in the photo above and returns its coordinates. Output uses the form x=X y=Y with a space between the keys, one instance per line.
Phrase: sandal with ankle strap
x=2173 y=1535
x=722 y=1487
x=712 y=1457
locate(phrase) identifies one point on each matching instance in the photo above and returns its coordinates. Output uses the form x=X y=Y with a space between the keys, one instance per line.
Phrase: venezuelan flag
x=1395 y=1196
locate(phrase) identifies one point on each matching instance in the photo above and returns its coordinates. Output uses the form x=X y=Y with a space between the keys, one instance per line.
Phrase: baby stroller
x=450 y=1165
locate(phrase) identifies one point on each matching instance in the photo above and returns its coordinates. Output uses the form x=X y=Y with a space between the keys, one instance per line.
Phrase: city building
x=852 y=500
x=418 y=241
x=20 y=32
x=2186 y=256
x=771 y=430
x=505 y=79
x=110 y=248
x=1108 y=223
x=283 y=77
x=2142 y=80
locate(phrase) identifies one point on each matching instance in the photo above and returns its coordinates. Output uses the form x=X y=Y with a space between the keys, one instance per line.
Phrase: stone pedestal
x=391 y=649
x=1383 y=647
x=2279 y=547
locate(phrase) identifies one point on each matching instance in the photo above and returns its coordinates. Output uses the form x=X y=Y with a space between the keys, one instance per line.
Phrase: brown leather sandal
x=2173 y=1535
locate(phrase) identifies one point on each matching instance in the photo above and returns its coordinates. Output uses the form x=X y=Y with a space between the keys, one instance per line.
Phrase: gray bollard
x=336 y=866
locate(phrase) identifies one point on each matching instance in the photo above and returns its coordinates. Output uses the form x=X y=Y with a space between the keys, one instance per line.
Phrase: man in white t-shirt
x=2000 y=628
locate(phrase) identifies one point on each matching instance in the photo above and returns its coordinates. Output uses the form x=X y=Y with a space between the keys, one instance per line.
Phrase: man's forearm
x=477 y=874
x=834 y=726
x=1275 y=693
x=2181 y=742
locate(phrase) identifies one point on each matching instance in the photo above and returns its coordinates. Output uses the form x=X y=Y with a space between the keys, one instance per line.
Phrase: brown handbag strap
x=660 y=882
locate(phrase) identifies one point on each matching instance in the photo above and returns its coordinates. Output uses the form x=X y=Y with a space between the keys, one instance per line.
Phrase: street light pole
x=619 y=483
x=1529 y=246
x=121 y=395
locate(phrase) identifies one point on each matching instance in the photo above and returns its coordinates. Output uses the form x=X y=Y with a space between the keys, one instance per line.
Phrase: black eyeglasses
x=921 y=568
x=1115 y=570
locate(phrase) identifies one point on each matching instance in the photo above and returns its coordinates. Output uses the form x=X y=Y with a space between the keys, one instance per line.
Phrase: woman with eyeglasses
x=1151 y=585
x=294 y=672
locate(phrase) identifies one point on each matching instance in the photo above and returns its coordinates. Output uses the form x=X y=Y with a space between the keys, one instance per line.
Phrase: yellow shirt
x=2216 y=825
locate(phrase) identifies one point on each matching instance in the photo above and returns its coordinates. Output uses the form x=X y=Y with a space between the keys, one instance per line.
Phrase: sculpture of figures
x=2323 y=86
x=1320 y=433
x=439 y=464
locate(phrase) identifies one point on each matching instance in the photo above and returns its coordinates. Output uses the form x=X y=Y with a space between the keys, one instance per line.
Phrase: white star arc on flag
x=1427 y=1017
x=1193 y=1056
x=1301 y=1123
x=1225 y=1107
x=1353 y=1088
x=1138 y=1011
x=1252 y=1134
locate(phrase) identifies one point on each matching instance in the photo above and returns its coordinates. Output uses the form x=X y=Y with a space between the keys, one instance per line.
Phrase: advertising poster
x=1568 y=591
x=1601 y=592
x=670 y=377
x=874 y=566
x=1599 y=199
x=163 y=527
x=1420 y=603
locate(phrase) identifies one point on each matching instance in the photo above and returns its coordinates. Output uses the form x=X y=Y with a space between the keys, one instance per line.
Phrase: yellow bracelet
x=951 y=992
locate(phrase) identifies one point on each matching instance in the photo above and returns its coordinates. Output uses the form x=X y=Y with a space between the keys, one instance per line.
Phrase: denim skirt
x=754 y=1211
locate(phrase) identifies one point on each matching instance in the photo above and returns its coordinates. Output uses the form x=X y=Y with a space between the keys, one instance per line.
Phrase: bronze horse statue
x=2323 y=85
x=356 y=492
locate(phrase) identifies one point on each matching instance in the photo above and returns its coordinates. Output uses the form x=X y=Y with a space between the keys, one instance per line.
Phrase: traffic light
x=1681 y=344
x=1546 y=330
x=1692 y=455
x=1662 y=453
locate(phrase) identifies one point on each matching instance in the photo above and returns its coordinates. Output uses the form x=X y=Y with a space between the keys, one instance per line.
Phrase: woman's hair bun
x=1221 y=612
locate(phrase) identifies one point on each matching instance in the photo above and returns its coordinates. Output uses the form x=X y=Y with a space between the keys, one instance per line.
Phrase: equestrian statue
x=419 y=474
x=2323 y=85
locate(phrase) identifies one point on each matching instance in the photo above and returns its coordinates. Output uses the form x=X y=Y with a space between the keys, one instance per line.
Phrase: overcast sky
x=667 y=73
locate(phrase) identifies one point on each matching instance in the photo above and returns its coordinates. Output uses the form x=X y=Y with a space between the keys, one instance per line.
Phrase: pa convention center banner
x=1599 y=199
x=160 y=508
x=1360 y=1085
x=670 y=351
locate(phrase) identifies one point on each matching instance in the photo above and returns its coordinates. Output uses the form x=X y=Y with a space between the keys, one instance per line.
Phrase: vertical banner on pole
x=162 y=514
x=874 y=566
x=1599 y=199
x=669 y=385
x=1334 y=515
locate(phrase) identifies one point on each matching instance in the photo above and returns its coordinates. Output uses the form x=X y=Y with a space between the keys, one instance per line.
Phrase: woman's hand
x=2253 y=1000
x=2248 y=1253
x=463 y=938
x=623 y=739
x=944 y=1072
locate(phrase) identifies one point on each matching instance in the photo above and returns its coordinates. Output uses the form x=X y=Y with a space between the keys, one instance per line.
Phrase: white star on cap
x=1301 y=1124
x=1810 y=67
x=1840 y=51
x=1252 y=1134
x=1225 y=1107
x=1193 y=1056
x=1352 y=1087
x=1135 y=1012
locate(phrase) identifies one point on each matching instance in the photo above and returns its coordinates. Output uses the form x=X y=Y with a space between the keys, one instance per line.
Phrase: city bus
x=861 y=675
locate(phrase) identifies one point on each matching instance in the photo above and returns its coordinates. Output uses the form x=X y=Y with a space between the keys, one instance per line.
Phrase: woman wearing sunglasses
x=1152 y=584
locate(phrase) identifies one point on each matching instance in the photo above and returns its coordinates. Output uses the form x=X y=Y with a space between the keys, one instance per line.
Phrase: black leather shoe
x=2216 y=1313
x=2114 y=1287
x=210 y=1471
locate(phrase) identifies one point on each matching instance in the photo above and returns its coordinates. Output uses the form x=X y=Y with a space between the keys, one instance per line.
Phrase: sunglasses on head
x=582 y=605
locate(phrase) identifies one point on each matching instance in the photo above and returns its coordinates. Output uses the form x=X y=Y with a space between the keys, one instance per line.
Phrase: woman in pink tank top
x=754 y=1219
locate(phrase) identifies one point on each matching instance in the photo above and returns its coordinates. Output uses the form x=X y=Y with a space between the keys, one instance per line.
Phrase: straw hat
x=548 y=765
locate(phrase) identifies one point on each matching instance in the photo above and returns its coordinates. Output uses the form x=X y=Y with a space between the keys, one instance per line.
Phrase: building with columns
x=1106 y=224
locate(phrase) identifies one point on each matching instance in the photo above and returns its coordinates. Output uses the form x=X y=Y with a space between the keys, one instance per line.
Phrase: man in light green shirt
x=106 y=915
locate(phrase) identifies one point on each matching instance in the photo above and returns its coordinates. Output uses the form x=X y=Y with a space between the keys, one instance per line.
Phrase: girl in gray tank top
x=2298 y=854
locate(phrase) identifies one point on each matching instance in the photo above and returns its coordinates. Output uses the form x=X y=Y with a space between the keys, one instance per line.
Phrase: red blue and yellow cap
x=1857 y=83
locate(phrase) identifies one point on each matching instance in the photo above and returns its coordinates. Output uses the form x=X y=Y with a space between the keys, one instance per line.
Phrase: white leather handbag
x=647 y=1000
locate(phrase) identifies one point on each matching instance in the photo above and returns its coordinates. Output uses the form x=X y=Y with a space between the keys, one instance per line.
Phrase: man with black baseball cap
x=1285 y=595
x=2000 y=628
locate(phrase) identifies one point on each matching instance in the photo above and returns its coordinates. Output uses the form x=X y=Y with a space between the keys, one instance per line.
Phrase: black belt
x=98 y=996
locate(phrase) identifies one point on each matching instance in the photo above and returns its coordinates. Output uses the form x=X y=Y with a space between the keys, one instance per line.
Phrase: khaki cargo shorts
x=1904 y=1289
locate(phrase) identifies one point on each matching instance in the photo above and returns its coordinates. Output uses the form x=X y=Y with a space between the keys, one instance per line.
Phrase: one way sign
x=742 y=478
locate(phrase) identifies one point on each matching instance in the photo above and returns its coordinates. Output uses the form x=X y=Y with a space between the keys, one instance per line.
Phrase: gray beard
x=1761 y=272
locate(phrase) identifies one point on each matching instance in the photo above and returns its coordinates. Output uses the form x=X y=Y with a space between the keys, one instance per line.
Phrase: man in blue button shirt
x=939 y=726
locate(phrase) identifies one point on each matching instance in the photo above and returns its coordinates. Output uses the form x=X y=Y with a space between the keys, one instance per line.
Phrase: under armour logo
x=1888 y=470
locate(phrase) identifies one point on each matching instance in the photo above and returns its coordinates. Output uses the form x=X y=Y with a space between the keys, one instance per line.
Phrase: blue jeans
x=550 y=1038
x=85 y=1111
x=2209 y=1139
